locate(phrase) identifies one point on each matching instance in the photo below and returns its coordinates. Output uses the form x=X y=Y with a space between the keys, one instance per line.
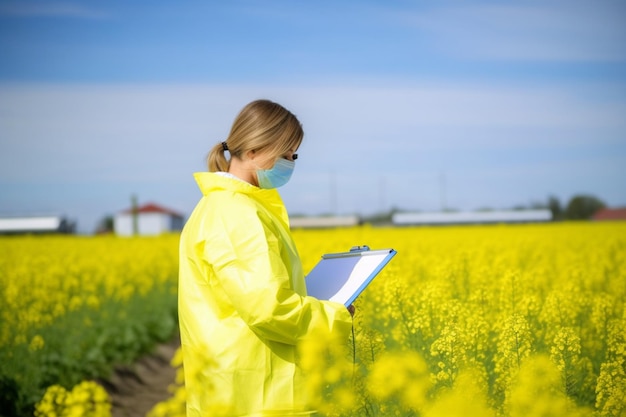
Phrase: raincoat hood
x=243 y=306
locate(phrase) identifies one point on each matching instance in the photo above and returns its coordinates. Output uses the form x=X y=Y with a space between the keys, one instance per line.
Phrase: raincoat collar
x=270 y=198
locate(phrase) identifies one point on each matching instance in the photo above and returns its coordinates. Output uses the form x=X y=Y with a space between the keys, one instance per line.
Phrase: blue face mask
x=277 y=176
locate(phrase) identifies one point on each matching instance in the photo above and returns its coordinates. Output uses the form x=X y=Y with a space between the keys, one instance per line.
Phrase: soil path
x=135 y=389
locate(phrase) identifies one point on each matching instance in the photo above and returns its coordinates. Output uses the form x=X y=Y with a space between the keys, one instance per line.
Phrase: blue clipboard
x=343 y=276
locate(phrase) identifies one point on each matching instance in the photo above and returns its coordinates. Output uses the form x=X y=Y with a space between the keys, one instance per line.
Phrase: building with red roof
x=148 y=219
x=610 y=214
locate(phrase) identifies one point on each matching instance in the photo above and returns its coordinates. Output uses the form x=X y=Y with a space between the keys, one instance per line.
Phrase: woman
x=242 y=295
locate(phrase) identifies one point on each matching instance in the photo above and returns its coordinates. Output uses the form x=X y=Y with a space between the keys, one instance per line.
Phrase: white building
x=36 y=224
x=324 y=222
x=481 y=217
x=151 y=219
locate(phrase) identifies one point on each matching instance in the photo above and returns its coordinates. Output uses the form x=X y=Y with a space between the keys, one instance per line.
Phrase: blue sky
x=408 y=104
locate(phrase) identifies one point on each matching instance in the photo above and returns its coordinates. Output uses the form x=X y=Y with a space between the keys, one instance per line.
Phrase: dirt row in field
x=135 y=389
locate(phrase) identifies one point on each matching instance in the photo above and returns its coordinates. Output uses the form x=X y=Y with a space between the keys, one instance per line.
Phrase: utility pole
x=442 y=191
x=333 y=193
x=135 y=214
x=381 y=196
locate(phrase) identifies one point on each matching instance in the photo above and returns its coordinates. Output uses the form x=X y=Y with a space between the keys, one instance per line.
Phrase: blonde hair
x=262 y=125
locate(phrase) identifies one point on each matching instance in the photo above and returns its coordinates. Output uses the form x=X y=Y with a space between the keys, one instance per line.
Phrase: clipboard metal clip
x=359 y=248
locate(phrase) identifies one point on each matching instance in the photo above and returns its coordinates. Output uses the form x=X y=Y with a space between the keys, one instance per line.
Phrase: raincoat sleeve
x=250 y=266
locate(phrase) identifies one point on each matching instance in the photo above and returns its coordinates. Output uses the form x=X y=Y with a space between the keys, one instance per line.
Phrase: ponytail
x=217 y=159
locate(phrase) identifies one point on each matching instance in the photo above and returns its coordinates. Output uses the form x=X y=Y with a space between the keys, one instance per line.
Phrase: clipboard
x=343 y=276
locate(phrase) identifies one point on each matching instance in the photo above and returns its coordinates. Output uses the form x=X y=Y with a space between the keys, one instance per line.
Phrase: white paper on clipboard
x=341 y=277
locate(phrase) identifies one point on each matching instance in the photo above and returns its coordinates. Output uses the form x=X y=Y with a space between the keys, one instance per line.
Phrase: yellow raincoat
x=243 y=305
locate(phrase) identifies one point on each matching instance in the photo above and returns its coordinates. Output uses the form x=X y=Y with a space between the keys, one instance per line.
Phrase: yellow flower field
x=516 y=320
x=72 y=306
x=507 y=320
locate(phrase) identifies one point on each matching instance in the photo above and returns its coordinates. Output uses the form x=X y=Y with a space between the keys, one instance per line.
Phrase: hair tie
x=224 y=146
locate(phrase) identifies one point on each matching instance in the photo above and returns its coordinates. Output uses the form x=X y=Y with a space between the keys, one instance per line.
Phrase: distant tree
x=538 y=205
x=555 y=207
x=583 y=207
x=105 y=225
x=380 y=217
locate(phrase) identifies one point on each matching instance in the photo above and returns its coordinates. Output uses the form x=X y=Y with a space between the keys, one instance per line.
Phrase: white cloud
x=152 y=138
x=138 y=128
